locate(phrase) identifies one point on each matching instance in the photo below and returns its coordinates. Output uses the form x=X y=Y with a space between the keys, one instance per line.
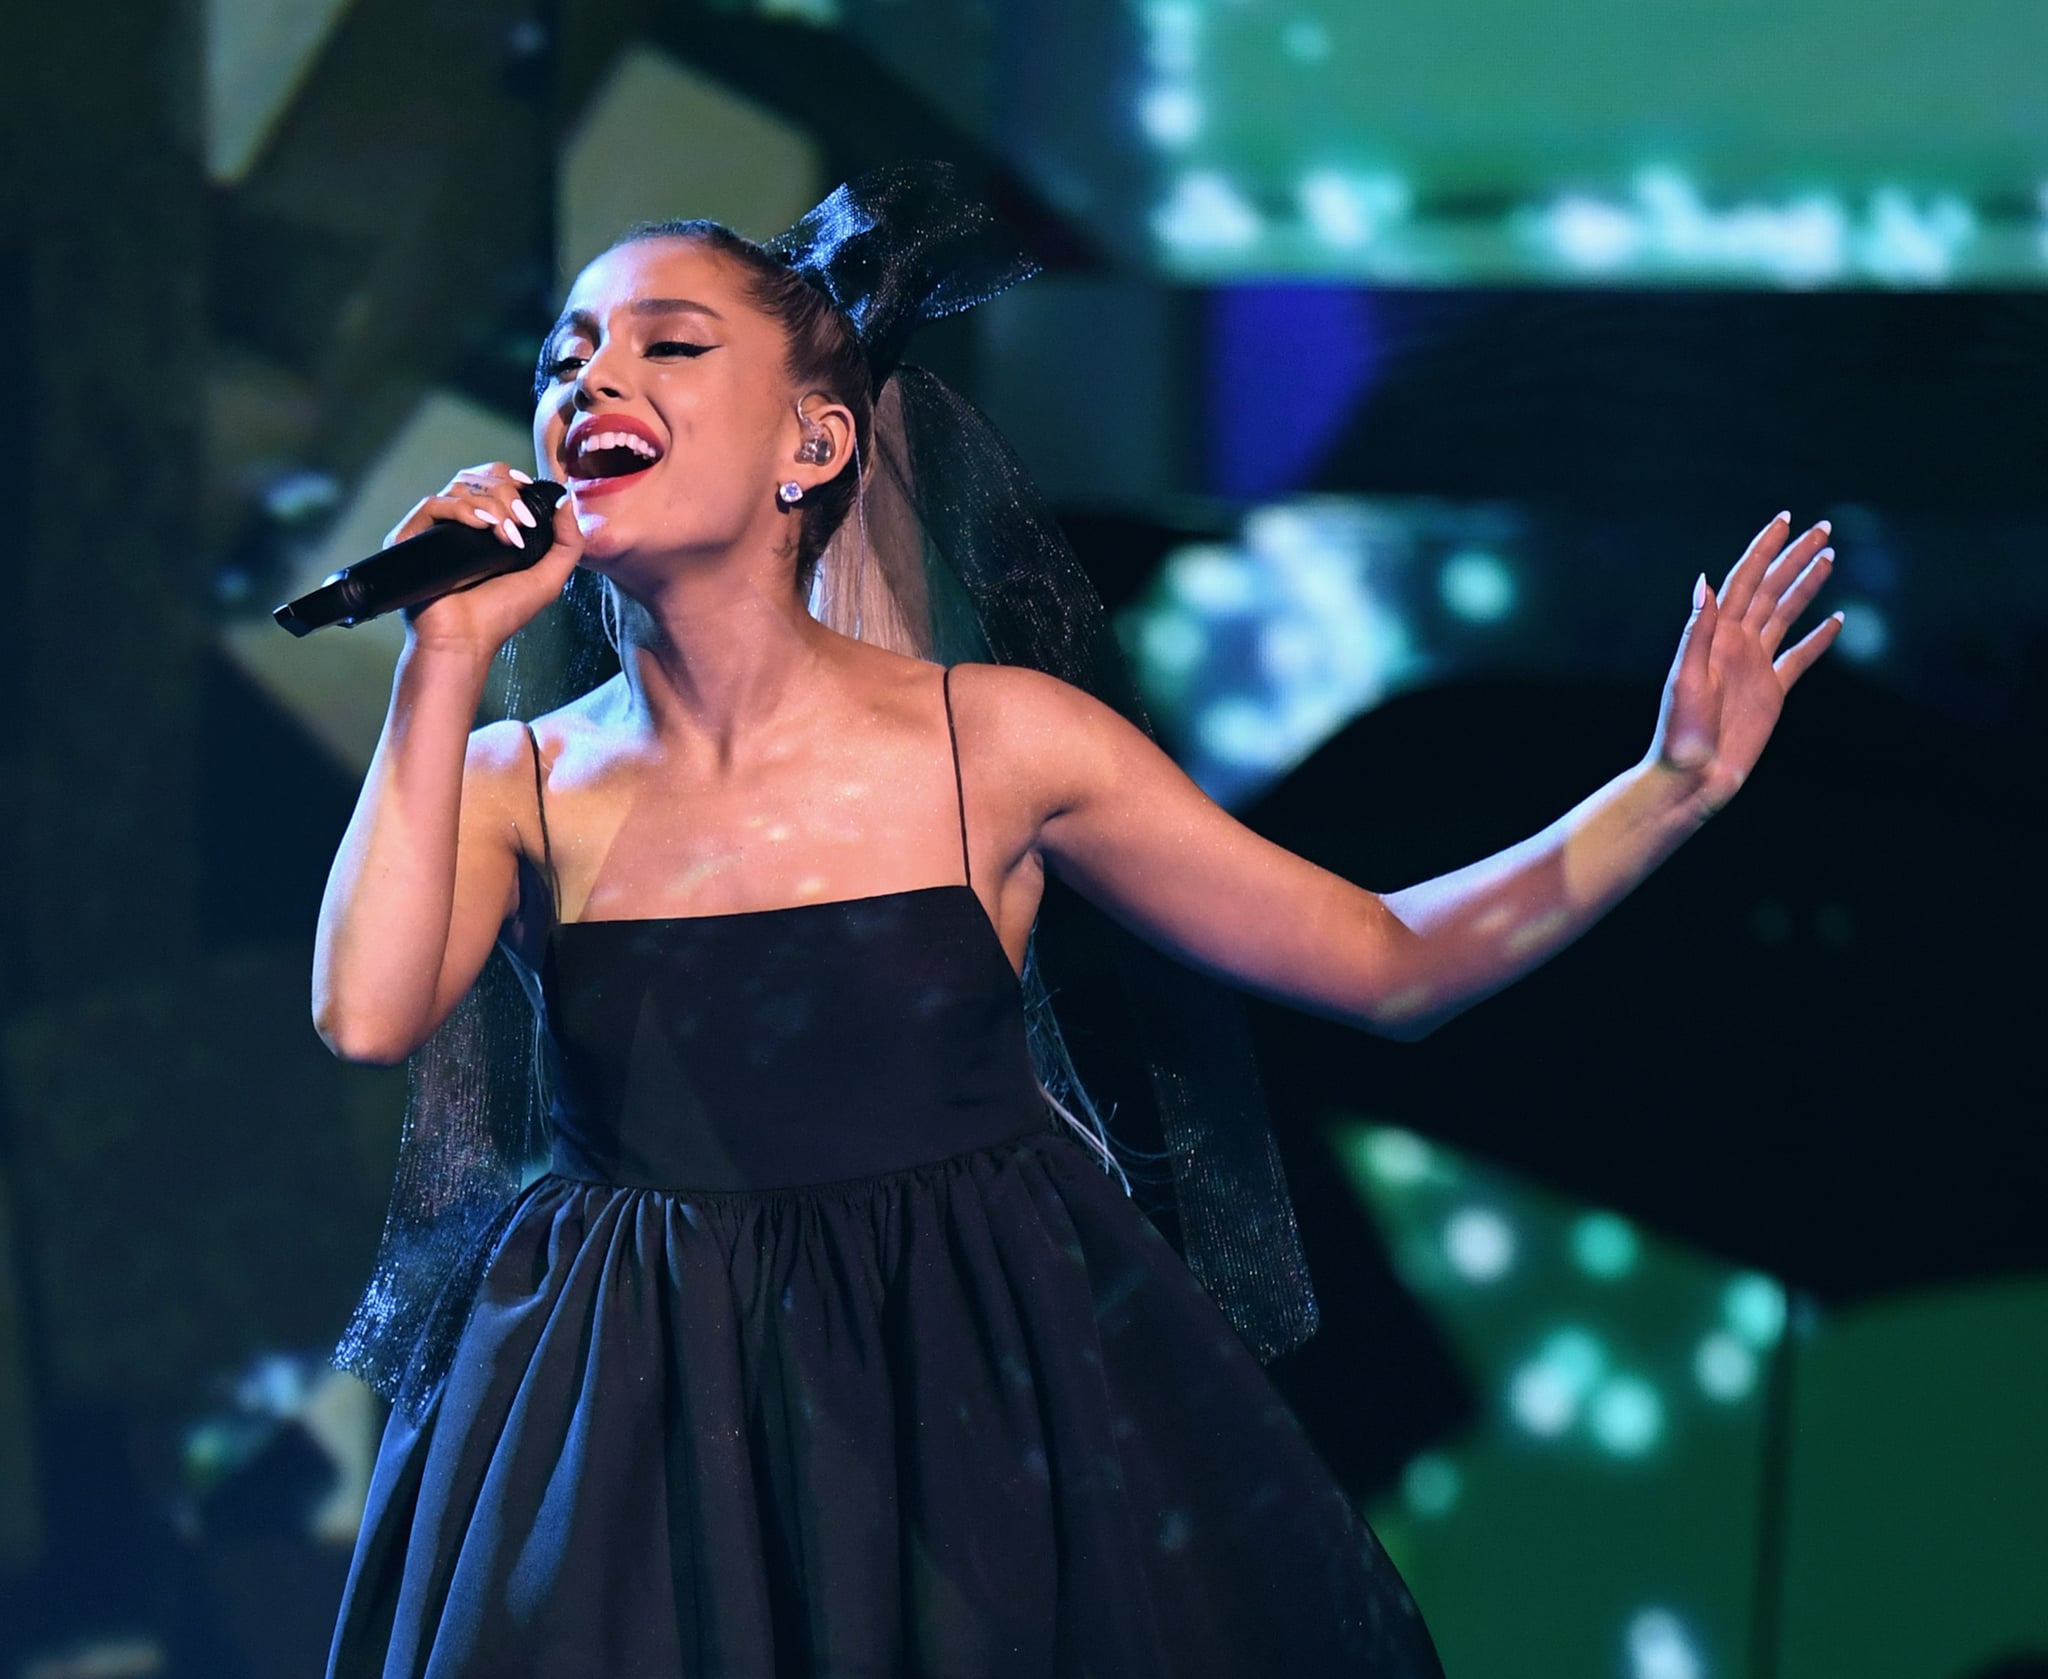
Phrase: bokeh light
x=1605 y=1245
x=1754 y=1307
x=1479 y=1243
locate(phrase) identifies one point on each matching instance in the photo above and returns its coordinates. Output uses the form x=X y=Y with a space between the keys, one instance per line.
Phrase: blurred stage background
x=1396 y=367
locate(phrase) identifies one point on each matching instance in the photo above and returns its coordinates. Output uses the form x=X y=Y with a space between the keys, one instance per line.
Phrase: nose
x=599 y=377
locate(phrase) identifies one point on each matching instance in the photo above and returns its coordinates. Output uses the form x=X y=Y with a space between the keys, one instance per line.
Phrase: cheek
x=548 y=433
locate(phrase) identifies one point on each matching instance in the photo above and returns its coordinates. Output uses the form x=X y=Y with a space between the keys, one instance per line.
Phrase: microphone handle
x=441 y=560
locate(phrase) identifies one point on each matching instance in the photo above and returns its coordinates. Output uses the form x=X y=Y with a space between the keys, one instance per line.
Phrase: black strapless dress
x=824 y=1352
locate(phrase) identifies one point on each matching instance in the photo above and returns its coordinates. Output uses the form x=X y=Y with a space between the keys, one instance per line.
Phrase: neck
x=713 y=654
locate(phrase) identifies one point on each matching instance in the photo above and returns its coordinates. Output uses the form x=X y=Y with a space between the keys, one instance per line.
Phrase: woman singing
x=826 y=1344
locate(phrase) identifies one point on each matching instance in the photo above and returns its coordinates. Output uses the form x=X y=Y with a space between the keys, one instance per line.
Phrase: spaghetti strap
x=959 y=790
x=540 y=805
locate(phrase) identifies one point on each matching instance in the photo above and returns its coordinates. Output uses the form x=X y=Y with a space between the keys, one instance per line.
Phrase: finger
x=1740 y=583
x=1799 y=658
x=566 y=530
x=1797 y=599
x=1689 y=677
x=488 y=511
x=1696 y=646
x=1786 y=569
x=503 y=488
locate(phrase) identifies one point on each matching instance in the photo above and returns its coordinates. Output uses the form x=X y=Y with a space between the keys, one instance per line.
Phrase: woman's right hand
x=480 y=619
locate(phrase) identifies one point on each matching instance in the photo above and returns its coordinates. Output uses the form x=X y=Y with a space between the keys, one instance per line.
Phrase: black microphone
x=443 y=558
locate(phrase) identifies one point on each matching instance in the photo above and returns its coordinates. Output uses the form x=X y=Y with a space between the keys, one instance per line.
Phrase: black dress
x=824 y=1351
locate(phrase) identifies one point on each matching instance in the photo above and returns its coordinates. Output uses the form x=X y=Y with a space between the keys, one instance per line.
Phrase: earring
x=790 y=492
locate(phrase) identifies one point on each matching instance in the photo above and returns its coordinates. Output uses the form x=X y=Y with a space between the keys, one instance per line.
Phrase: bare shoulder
x=575 y=730
x=1017 y=698
x=499 y=754
x=1036 y=726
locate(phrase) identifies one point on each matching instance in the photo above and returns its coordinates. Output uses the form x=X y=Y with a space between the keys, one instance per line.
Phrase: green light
x=1726 y=1367
x=1577 y=1356
x=1754 y=1307
x=1627 y=1416
x=1431 y=1484
x=1605 y=1245
x=1396 y=1156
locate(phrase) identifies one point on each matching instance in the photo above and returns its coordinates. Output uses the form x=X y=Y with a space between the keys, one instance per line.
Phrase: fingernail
x=520 y=477
x=511 y=533
x=484 y=516
x=523 y=514
x=1699 y=592
x=1784 y=518
x=1825 y=554
x=1825 y=528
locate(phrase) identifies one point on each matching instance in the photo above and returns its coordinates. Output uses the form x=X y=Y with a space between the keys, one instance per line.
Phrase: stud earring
x=790 y=492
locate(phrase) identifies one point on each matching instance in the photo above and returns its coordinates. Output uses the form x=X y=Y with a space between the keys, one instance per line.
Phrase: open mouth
x=605 y=455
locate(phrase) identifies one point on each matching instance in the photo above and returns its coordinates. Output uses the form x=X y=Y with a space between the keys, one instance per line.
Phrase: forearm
x=384 y=919
x=1480 y=928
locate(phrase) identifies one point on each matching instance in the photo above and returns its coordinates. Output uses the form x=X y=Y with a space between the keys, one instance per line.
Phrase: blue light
x=1171 y=115
x=1543 y=1399
x=1754 y=1306
x=1914 y=244
x=1627 y=1416
x=1864 y=634
x=1205 y=212
x=1605 y=1245
x=1590 y=234
x=1660 y=1647
x=1726 y=1367
x=1173 y=32
x=1476 y=586
x=1479 y=1243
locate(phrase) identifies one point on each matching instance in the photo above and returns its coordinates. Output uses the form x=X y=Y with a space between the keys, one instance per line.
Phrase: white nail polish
x=523 y=514
x=520 y=477
x=511 y=533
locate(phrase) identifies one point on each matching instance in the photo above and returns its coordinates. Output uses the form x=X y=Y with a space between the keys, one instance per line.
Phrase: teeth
x=593 y=442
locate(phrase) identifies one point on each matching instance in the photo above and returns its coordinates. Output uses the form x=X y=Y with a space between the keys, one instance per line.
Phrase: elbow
x=1407 y=1014
x=1401 y=1028
x=362 y=1042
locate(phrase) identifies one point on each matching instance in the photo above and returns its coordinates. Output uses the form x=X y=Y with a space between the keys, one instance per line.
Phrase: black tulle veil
x=951 y=556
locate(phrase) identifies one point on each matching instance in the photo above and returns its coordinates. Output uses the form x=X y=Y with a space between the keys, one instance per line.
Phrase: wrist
x=439 y=664
x=1684 y=797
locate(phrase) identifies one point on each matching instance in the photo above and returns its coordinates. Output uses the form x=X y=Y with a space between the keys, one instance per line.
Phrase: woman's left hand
x=1728 y=682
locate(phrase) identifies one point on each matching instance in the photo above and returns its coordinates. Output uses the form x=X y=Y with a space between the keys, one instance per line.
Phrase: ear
x=835 y=421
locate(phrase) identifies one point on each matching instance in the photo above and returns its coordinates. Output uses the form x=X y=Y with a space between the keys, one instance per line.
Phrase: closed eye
x=678 y=347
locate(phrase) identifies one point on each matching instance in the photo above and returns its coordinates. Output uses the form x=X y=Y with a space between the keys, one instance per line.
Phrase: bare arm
x=1130 y=831
x=1482 y=927
x=427 y=871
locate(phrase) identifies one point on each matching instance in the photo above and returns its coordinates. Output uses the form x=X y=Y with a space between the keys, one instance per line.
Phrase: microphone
x=443 y=558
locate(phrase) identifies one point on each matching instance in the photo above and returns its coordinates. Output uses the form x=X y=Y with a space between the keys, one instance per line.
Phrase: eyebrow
x=641 y=307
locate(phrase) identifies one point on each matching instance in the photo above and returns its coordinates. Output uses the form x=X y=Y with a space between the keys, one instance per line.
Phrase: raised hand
x=1728 y=681
x=483 y=617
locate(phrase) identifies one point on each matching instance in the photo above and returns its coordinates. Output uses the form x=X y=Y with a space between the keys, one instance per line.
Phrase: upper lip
x=593 y=425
